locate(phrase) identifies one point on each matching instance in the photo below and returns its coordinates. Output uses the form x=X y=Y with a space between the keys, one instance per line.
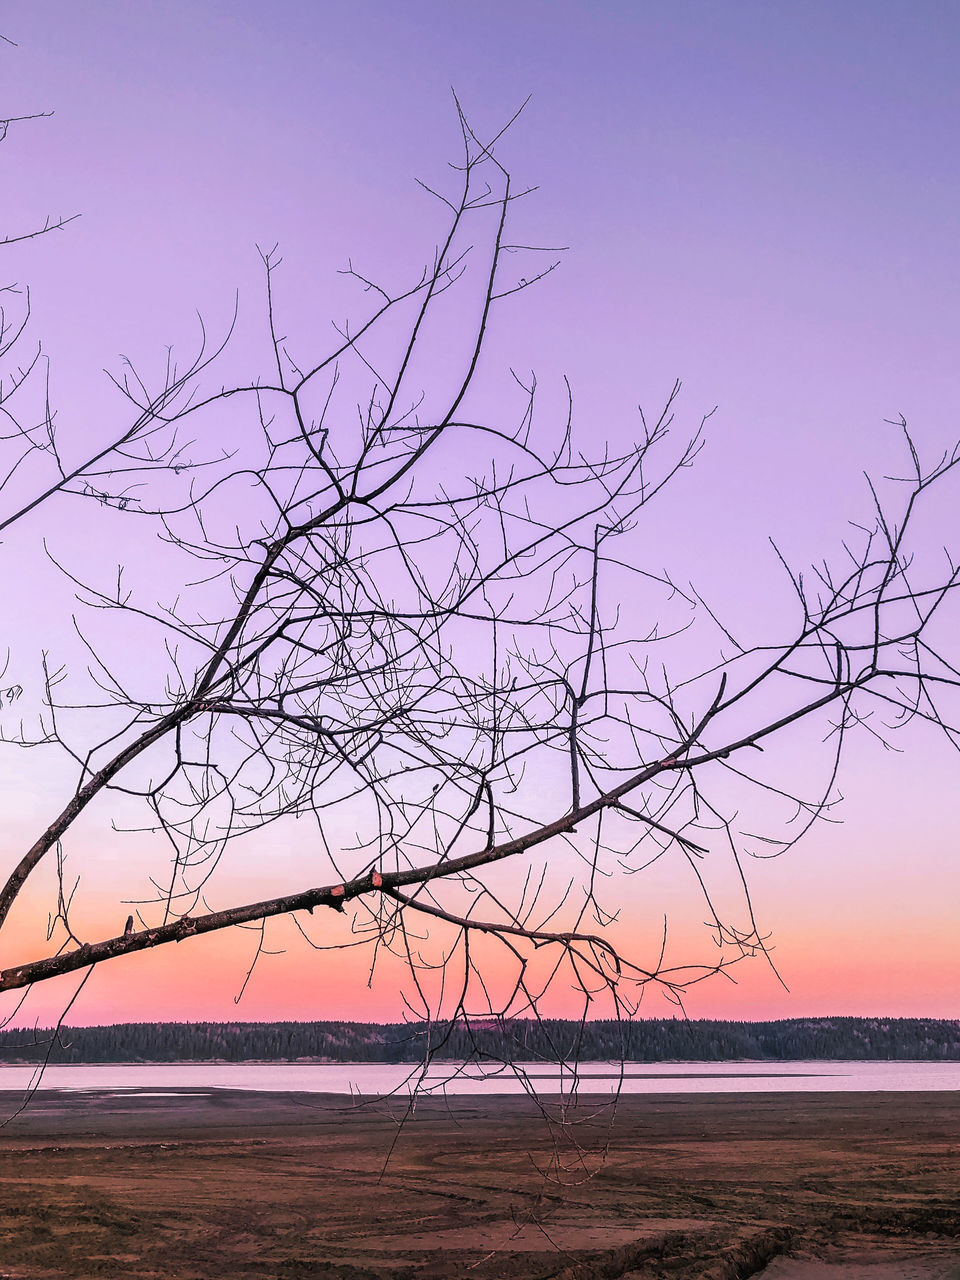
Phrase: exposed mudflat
x=926 y=1266
x=204 y=1184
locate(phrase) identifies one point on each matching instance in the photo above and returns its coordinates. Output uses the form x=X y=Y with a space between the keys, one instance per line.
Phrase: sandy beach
x=216 y=1183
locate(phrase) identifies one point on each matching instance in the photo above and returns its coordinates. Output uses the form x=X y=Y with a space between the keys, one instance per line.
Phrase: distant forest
x=647 y=1040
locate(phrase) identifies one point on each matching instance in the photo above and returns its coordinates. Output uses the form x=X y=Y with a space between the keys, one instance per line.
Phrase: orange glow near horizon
x=201 y=978
x=862 y=949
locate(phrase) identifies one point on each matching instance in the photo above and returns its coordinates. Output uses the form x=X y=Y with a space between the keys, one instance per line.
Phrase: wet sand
x=220 y=1183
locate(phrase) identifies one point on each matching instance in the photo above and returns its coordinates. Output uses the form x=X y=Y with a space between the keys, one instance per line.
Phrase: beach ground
x=205 y=1184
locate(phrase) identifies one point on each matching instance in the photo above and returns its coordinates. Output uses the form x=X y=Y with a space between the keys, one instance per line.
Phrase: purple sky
x=759 y=198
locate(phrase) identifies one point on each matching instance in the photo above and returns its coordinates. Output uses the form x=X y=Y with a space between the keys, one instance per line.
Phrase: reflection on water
x=592 y=1077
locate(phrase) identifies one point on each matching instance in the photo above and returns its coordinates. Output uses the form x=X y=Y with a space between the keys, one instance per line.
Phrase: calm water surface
x=592 y=1077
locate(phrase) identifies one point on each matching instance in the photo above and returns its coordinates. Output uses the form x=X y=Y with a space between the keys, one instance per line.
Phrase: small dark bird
x=128 y=927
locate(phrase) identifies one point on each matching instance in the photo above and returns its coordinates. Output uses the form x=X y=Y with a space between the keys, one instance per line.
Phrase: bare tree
x=403 y=638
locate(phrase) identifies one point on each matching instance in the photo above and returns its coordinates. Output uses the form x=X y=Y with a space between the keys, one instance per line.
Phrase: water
x=370 y=1079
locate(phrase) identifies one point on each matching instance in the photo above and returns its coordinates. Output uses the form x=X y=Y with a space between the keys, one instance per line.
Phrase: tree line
x=647 y=1040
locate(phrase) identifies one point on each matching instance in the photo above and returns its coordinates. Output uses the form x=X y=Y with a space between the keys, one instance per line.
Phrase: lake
x=368 y=1079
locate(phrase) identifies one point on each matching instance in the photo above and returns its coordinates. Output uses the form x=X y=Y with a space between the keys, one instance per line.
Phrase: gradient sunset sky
x=760 y=199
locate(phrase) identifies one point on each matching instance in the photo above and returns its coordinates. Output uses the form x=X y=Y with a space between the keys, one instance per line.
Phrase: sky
x=758 y=198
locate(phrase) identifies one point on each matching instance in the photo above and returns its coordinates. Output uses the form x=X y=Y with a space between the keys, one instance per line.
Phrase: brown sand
x=220 y=1183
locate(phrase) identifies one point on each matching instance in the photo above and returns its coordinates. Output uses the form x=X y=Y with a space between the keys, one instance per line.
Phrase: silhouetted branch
x=400 y=638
